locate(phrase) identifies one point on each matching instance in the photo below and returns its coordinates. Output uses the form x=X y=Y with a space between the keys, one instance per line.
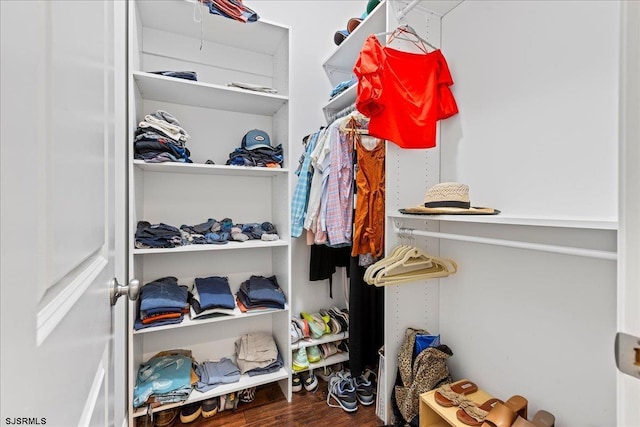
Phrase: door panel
x=58 y=117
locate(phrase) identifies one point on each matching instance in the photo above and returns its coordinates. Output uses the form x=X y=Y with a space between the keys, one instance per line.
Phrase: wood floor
x=271 y=409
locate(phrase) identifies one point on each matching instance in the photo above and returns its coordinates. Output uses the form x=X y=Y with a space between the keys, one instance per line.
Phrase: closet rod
x=567 y=250
x=403 y=12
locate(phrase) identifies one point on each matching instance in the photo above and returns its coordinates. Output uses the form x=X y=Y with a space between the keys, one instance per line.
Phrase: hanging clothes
x=301 y=192
x=339 y=201
x=368 y=229
x=366 y=321
x=404 y=93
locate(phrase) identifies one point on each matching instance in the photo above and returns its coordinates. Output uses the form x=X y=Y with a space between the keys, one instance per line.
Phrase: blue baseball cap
x=256 y=138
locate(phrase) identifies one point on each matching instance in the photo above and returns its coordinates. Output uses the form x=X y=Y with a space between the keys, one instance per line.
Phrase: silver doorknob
x=628 y=354
x=116 y=290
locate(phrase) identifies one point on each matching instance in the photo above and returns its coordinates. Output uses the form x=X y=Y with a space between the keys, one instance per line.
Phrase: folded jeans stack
x=157 y=236
x=212 y=374
x=259 y=293
x=162 y=302
x=212 y=296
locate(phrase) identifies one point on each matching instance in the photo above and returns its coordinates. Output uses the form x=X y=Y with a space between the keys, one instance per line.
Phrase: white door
x=628 y=411
x=61 y=109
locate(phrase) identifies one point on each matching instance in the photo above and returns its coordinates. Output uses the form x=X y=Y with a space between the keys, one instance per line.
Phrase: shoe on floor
x=189 y=413
x=210 y=407
x=300 y=360
x=296 y=383
x=343 y=391
x=311 y=382
x=167 y=418
x=232 y=402
x=328 y=371
x=247 y=395
x=364 y=390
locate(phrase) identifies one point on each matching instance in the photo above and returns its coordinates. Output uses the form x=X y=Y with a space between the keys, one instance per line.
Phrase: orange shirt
x=403 y=93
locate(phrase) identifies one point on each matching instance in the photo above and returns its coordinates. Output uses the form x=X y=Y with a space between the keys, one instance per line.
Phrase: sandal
x=505 y=414
x=473 y=415
x=452 y=394
x=540 y=419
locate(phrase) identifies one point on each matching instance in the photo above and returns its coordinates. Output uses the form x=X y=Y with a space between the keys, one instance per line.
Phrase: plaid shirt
x=339 y=207
x=301 y=193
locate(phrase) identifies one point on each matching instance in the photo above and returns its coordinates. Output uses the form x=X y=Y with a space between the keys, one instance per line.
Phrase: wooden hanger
x=355 y=122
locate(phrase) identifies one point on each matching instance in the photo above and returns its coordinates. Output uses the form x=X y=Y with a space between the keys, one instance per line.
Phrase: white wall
x=313 y=24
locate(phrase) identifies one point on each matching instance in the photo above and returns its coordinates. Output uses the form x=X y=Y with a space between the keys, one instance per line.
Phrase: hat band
x=448 y=204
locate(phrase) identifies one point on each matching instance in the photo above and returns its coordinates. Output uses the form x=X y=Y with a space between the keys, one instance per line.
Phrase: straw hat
x=448 y=198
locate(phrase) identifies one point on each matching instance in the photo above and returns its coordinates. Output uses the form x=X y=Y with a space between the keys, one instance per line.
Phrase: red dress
x=403 y=93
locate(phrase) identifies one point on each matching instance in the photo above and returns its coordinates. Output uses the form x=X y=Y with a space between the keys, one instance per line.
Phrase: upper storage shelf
x=177 y=16
x=339 y=65
x=181 y=35
x=186 y=92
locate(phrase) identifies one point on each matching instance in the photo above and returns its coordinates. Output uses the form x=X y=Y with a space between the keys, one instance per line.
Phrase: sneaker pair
x=342 y=391
x=309 y=381
x=228 y=402
x=247 y=395
x=317 y=326
x=327 y=372
x=340 y=317
x=305 y=355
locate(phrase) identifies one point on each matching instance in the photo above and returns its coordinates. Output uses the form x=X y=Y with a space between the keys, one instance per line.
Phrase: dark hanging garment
x=324 y=260
x=366 y=320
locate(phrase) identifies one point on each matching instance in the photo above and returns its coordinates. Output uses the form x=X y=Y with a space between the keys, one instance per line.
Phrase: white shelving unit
x=163 y=36
x=535 y=142
x=338 y=66
x=331 y=360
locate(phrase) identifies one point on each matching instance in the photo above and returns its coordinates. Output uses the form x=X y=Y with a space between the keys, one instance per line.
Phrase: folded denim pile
x=257 y=354
x=214 y=373
x=232 y=9
x=162 y=302
x=260 y=293
x=211 y=296
x=160 y=138
x=342 y=86
x=187 y=75
x=165 y=378
x=210 y=232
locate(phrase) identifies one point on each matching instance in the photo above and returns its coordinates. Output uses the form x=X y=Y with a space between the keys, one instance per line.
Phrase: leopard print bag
x=416 y=375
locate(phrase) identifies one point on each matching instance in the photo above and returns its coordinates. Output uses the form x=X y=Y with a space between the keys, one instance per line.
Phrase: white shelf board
x=245 y=382
x=204 y=169
x=324 y=339
x=340 y=101
x=249 y=244
x=344 y=56
x=187 y=92
x=187 y=321
x=177 y=17
x=331 y=360
x=438 y=7
x=586 y=223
